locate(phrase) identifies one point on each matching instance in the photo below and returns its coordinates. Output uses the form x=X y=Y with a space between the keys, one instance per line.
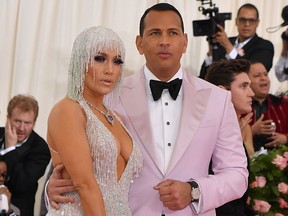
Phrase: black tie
x=158 y=86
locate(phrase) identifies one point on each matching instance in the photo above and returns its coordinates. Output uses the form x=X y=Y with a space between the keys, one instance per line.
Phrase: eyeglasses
x=243 y=20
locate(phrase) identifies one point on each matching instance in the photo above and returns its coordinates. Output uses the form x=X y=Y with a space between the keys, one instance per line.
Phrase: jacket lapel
x=138 y=114
x=193 y=108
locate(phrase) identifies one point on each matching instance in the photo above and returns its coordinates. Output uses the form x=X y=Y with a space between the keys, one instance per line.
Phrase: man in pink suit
x=178 y=133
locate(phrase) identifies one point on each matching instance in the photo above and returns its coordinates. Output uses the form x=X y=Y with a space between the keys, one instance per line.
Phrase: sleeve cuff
x=46 y=198
x=5 y=151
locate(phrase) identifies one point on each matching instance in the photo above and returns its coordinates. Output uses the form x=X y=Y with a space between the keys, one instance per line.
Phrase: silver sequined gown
x=104 y=152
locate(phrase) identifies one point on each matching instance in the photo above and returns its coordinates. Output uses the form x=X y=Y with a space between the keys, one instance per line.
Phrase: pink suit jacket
x=208 y=129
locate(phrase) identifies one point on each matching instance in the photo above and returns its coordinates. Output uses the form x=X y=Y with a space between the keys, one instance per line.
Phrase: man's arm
x=27 y=169
x=56 y=186
x=281 y=66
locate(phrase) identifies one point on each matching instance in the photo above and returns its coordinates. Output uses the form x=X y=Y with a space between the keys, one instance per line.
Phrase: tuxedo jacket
x=257 y=49
x=208 y=129
x=25 y=165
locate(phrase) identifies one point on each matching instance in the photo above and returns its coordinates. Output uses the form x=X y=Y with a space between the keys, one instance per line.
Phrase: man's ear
x=185 y=43
x=138 y=43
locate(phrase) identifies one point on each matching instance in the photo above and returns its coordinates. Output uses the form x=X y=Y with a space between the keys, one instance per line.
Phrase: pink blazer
x=208 y=129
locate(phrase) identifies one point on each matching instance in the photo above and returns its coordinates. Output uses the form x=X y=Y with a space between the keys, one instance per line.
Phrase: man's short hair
x=249 y=6
x=159 y=7
x=223 y=72
x=25 y=103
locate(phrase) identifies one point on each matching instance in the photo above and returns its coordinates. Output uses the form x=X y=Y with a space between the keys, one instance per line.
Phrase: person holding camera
x=247 y=45
x=281 y=67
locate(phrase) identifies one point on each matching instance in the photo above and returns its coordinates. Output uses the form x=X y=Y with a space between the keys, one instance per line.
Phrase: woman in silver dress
x=86 y=136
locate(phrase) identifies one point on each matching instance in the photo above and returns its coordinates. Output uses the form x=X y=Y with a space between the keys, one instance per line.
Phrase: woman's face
x=104 y=71
x=242 y=94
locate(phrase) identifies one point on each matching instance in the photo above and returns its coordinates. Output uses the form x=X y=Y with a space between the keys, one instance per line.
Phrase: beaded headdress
x=88 y=43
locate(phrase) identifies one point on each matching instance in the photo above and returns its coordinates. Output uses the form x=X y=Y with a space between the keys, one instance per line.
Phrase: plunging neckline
x=115 y=143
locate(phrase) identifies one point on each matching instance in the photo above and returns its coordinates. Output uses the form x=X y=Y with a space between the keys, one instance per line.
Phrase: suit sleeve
x=26 y=170
x=229 y=163
x=263 y=52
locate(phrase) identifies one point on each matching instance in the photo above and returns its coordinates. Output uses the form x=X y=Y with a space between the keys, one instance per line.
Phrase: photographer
x=281 y=68
x=246 y=45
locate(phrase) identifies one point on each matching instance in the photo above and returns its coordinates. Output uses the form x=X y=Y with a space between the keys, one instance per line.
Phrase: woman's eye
x=99 y=58
x=118 y=61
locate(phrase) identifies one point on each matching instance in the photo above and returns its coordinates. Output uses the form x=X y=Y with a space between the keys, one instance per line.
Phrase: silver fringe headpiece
x=92 y=41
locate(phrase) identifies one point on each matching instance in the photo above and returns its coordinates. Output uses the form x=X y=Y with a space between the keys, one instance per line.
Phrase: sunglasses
x=243 y=20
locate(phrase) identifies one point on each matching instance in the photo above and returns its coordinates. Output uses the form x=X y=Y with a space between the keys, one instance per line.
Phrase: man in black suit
x=25 y=152
x=247 y=45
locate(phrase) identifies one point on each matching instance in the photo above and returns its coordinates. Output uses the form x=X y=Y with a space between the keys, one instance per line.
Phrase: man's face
x=23 y=122
x=260 y=82
x=247 y=23
x=242 y=94
x=162 y=43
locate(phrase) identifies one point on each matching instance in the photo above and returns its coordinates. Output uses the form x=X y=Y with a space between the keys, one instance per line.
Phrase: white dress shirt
x=165 y=118
x=233 y=54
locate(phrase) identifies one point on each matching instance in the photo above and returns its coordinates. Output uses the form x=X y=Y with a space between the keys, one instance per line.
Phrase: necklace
x=107 y=115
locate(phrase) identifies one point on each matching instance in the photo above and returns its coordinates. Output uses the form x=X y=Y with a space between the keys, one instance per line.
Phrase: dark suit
x=257 y=49
x=26 y=164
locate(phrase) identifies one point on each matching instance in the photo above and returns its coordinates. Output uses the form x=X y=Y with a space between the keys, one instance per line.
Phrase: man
x=25 y=152
x=178 y=133
x=247 y=44
x=267 y=108
x=281 y=67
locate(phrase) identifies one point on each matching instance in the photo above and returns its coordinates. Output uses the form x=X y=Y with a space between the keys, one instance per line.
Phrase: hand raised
x=10 y=134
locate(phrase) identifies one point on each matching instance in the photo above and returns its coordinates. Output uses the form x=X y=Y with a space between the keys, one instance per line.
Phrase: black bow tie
x=158 y=86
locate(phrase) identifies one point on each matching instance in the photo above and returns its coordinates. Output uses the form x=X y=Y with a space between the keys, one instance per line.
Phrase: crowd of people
x=158 y=142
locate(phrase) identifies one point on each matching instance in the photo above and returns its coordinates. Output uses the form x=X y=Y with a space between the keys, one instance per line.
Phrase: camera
x=208 y=27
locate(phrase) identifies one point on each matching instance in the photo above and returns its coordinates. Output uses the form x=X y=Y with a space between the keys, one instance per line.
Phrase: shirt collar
x=21 y=143
x=242 y=44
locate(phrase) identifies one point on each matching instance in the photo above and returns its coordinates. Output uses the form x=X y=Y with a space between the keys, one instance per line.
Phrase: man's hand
x=57 y=186
x=222 y=38
x=10 y=134
x=261 y=127
x=276 y=140
x=245 y=120
x=175 y=195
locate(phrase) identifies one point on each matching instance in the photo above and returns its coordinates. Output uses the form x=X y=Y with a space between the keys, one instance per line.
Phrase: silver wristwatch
x=195 y=191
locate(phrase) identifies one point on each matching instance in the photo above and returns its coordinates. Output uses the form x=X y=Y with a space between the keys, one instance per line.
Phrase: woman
x=97 y=151
x=232 y=75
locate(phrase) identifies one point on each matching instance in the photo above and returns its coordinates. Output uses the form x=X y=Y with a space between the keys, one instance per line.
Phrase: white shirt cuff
x=46 y=198
x=3 y=152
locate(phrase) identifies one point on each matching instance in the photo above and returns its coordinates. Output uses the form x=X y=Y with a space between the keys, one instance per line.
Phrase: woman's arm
x=66 y=135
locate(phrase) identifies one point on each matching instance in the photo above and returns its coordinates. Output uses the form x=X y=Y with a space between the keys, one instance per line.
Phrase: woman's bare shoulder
x=66 y=108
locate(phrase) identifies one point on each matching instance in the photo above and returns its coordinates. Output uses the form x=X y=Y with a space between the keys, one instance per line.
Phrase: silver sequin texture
x=104 y=152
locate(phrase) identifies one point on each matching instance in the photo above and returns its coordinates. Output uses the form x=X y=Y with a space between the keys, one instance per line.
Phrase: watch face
x=195 y=193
